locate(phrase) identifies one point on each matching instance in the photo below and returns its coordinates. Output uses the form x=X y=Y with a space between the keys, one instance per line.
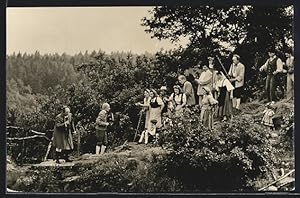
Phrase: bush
x=226 y=159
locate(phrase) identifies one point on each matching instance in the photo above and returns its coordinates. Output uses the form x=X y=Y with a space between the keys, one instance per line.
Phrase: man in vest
x=272 y=66
x=237 y=78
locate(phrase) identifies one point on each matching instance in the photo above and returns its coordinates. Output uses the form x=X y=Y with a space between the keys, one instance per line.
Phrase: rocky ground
x=129 y=156
x=65 y=177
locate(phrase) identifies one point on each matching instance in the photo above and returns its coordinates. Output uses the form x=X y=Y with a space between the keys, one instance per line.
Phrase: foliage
x=119 y=79
x=223 y=23
x=222 y=30
x=41 y=72
x=227 y=158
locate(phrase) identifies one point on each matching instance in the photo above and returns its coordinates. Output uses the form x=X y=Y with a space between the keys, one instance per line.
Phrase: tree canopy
x=232 y=25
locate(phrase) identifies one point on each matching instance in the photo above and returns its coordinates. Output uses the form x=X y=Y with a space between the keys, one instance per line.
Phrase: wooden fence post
x=78 y=143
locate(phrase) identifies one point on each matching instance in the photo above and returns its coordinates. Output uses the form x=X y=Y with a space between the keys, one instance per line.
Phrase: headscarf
x=154 y=92
x=178 y=87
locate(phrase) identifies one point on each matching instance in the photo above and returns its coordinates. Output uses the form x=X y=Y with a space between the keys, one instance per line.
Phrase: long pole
x=137 y=128
x=279 y=179
x=227 y=75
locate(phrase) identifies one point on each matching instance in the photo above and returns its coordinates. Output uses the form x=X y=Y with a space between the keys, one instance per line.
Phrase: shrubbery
x=228 y=158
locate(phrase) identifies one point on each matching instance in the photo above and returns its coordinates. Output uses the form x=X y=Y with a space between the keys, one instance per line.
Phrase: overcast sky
x=72 y=30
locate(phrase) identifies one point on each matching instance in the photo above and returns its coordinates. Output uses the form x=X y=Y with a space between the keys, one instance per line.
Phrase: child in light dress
x=149 y=131
x=269 y=113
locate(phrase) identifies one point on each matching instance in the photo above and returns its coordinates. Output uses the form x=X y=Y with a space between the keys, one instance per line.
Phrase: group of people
x=218 y=93
x=215 y=92
x=65 y=128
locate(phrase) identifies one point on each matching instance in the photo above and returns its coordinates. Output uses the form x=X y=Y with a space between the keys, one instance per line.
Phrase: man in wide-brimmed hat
x=272 y=67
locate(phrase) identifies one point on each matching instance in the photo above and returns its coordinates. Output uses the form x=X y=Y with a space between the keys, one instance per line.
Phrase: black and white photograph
x=150 y=99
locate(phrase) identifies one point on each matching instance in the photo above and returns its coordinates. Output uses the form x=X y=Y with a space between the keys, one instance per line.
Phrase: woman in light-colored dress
x=208 y=101
x=156 y=106
x=178 y=99
x=269 y=113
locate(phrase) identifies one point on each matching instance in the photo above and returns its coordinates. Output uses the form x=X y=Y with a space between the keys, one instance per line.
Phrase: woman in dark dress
x=62 y=136
x=225 y=95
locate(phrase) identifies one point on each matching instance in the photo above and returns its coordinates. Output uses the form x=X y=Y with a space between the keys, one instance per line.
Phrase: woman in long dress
x=208 y=101
x=156 y=106
x=62 y=136
x=178 y=99
x=146 y=106
x=225 y=95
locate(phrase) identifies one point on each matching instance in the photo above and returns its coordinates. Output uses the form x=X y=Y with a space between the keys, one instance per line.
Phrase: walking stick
x=137 y=128
x=48 y=149
x=78 y=142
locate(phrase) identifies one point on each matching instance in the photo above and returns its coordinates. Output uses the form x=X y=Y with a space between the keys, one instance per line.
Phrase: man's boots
x=66 y=156
x=57 y=155
x=102 y=149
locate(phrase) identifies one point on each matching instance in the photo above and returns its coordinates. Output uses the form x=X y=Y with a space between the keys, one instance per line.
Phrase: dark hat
x=289 y=50
x=271 y=49
x=153 y=121
x=63 y=107
x=198 y=65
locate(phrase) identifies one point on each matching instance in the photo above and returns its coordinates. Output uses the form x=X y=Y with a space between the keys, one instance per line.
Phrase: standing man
x=237 y=78
x=188 y=90
x=272 y=66
x=290 y=74
x=62 y=136
x=101 y=126
x=205 y=80
x=211 y=66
